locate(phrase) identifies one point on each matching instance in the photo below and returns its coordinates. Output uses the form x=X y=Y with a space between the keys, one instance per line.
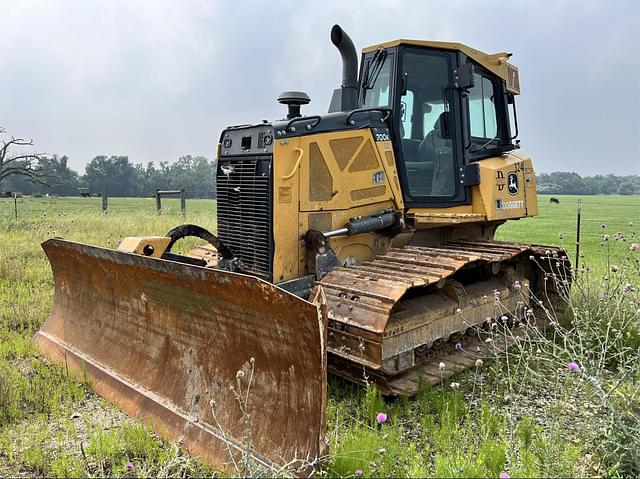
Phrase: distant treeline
x=564 y=183
x=117 y=176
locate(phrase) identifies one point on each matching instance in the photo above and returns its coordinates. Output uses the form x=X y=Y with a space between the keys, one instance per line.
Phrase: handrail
x=364 y=110
x=318 y=119
x=297 y=165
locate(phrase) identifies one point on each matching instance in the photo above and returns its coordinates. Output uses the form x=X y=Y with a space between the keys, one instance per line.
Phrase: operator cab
x=449 y=108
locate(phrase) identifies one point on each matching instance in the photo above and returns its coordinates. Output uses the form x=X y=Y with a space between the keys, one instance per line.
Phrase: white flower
x=441 y=366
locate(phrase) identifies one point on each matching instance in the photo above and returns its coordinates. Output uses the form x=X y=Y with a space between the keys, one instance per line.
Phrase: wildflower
x=504 y=317
x=488 y=340
x=634 y=246
x=605 y=237
x=458 y=311
x=381 y=418
x=455 y=386
x=130 y=467
x=627 y=288
x=478 y=363
x=552 y=324
x=458 y=346
x=497 y=294
x=239 y=374
x=547 y=253
x=441 y=366
x=517 y=285
x=564 y=257
x=359 y=472
x=573 y=366
x=504 y=475
x=488 y=319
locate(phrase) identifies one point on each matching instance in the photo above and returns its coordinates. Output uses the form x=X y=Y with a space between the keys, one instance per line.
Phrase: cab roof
x=495 y=62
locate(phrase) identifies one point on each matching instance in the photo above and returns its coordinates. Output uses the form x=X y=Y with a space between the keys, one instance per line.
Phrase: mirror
x=464 y=76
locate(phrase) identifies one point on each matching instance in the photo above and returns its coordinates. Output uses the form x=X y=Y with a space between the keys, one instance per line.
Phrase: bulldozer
x=359 y=242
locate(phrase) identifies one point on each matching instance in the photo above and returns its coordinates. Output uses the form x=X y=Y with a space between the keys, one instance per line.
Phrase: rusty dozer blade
x=225 y=363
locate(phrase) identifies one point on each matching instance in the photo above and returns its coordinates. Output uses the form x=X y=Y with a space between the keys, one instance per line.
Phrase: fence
x=183 y=199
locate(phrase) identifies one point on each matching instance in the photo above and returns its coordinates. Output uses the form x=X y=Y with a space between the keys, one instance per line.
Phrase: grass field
x=524 y=414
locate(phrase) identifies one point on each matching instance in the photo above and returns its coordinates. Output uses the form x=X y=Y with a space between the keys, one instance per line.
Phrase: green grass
x=556 y=224
x=523 y=413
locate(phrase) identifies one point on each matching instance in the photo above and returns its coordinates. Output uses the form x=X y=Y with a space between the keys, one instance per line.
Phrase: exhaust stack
x=345 y=98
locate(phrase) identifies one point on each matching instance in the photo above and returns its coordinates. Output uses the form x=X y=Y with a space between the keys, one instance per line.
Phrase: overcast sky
x=157 y=79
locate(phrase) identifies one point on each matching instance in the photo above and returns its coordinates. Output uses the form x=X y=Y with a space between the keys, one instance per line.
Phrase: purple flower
x=552 y=324
x=634 y=246
x=517 y=285
x=504 y=475
x=359 y=472
x=627 y=288
x=130 y=467
x=381 y=418
x=458 y=346
x=573 y=366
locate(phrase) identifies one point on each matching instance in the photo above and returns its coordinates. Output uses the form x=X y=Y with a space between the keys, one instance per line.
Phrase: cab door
x=429 y=140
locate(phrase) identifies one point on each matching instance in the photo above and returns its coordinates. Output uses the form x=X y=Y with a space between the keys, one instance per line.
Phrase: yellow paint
x=493 y=187
x=137 y=244
x=364 y=181
x=496 y=62
x=358 y=177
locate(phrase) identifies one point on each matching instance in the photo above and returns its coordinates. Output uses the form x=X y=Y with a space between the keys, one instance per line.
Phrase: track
x=393 y=318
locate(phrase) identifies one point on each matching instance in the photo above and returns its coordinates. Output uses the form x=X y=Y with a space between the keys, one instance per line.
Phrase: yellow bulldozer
x=358 y=242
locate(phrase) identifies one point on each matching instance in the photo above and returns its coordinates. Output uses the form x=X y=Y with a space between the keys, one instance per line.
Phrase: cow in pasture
x=554 y=201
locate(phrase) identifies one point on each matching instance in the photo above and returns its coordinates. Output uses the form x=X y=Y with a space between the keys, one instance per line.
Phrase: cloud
x=156 y=79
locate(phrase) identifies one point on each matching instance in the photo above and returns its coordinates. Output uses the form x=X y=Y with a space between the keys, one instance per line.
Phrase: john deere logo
x=512 y=183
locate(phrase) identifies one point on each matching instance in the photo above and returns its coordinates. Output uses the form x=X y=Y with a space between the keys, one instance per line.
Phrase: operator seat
x=437 y=147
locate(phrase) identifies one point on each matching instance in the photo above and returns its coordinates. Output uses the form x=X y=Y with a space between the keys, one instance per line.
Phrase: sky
x=158 y=79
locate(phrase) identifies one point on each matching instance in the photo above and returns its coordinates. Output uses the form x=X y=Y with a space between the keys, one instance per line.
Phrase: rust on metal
x=385 y=315
x=225 y=363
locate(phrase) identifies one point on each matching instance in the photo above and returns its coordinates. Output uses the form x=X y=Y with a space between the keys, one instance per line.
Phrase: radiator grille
x=244 y=211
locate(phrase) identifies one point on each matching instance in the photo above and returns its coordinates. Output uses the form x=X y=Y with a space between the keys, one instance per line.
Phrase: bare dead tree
x=31 y=165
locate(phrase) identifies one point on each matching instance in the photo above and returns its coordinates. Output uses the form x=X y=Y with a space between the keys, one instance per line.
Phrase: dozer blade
x=225 y=363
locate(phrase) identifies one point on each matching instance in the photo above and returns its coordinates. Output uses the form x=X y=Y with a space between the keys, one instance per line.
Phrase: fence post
x=158 y=203
x=183 y=203
x=104 y=202
x=575 y=269
x=15 y=204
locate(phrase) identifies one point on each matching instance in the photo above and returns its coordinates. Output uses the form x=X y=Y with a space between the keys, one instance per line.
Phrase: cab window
x=378 y=93
x=482 y=109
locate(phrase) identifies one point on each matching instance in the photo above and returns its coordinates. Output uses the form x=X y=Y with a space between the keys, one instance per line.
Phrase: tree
x=115 y=175
x=21 y=164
